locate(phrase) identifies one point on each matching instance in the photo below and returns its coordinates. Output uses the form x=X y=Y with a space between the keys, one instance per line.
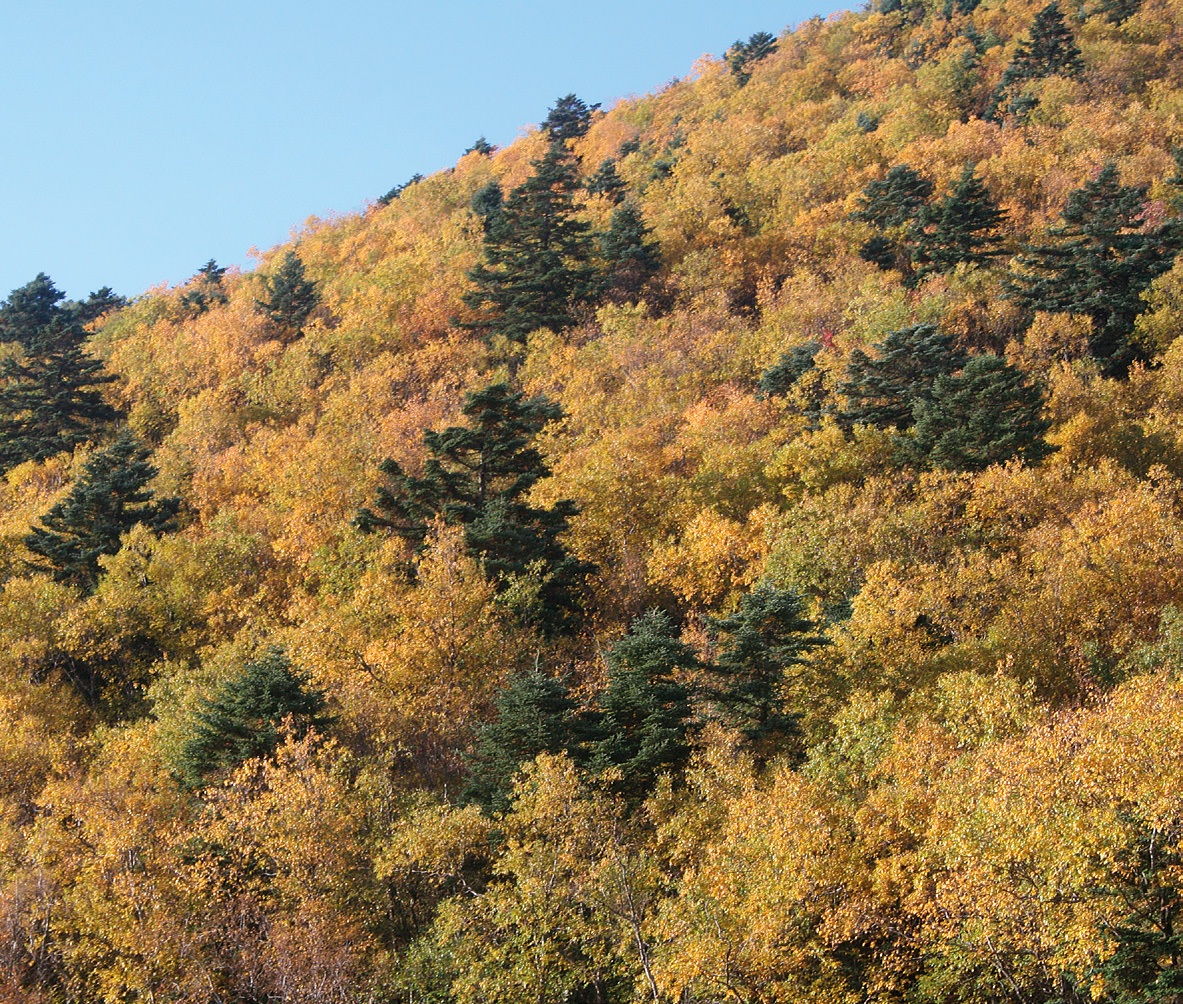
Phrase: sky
x=144 y=137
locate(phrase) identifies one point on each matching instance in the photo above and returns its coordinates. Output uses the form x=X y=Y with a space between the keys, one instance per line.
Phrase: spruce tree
x=631 y=258
x=884 y=391
x=778 y=380
x=964 y=228
x=896 y=205
x=984 y=415
x=205 y=289
x=535 y=714
x=289 y=296
x=108 y=499
x=478 y=477
x=486 y=203
x=569 y=119
x=643 y=724
x=1050 y=51
x=244 y=717
x=394 y=193
x=481 y=146
x=765 y=636
x=537 y=270
x=743 y=56
x=605 y=181
x=1101 y=259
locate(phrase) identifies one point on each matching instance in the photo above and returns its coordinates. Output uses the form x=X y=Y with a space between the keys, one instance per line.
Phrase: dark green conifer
x=896 y=206
x=1100 y=261
x=742 y=57
x=108 y=499
x=767 y=634
x=792 y=365
x=486 y=203
x=244 y=717
x=605 y=181
x=962 y=227
x=394 y=193
x=569 y=119
x=31 y=315
x=96 y=305
x=885 y=390
x=289 y=296
x=205 y=289
x=537 y=269
x=1051 y=50
x=643 y=728
x=631 y=258
x=986 y=414
x=481 y=146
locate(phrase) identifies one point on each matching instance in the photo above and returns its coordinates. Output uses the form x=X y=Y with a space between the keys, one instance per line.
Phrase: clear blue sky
x=143 y=137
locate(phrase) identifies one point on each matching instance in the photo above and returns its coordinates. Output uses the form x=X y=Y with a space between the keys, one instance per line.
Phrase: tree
x=107 y=500
x=884 y=391
x=50 y=397
x=742 y=56
x=1050 y=51
x=631 y=258
x=535 y=714
x=569 y=119
x=964 y=228
x=896 y=205
x=778 y=380
x=766 y=635
x=1100 y=261
x=486 y=203
x=205 y=289
x=481 y=146
x=537 y=269
x=394 y=193
x=289 y=296
x=984 y=415
x=245 y=717
x=642 y=727
x=478 y=477
x=606 y=182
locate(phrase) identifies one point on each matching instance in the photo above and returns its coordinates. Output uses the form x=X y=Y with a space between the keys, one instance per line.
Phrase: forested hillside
x=727 y=547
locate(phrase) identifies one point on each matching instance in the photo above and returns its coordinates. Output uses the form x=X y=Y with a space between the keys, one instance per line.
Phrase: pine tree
x=244 y=718
x=1101 y=260
x=766 y=635
x=778 y=380
x=535 y=714
x=884 y=391
x=569 y=119
x=643 y=725
x=984 y=415
x=478 y=477
x=630 y=257
x=205 y=289
x=965 y=227
x=743 y=56
x=537 y=270
x=108 y=499
x=289 y=296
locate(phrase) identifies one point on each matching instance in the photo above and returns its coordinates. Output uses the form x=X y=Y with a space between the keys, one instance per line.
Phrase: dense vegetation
x=727 y=547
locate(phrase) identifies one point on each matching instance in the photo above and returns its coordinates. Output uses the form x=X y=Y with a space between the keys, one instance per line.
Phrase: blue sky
x=143 y=138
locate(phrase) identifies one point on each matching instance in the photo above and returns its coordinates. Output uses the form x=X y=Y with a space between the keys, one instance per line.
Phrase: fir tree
x=244 y=717
x=1101 y=260
x=108 y=499
x=100 y=302
x=896 y=205
x=984 y=415
x=394 y=193
x=478 y=477
x=31 y=315
x=765 y=636
x=630 y=257
x=1050 y=51
x=535 y=714
x=205 y=289
x=537 y=269
x=884 y=391
x=606 y=182
x=643 y=725
x=289 y=296
x=743 y=56
x=965 y=227
x=778 y=380
x=481 y=146
x=486 y=203
x=569 y=119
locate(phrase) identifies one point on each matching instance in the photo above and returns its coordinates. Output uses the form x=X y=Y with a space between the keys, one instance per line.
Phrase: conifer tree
x=605 y=181
x=569 y=119
x=643 y=724
x=765 y=636
x=244 y=717
x=965 y=228
x=885 y=390
x=394 y=193
x=984 y=415
x=289 y=296
x=1051 y=50
x=205 y=289
x=896 y=205
x=743 y=56
x=486 y=203
x=1101 y=259
x=481 y=146
x=630 y=257
x=537 y=269
x=108 y=499
x=478 y=477
x=778 y=380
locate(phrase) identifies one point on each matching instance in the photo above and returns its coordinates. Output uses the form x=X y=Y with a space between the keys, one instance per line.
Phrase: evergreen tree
x=289 y=296
x=884 y=391
x=394 y=193
x=984 y=415
x=1100 y=262
x=643 y=725
x=792 y=365
x=243 y=719
x=486 y=203
x=50 y=397
x=743 y=56
x=96 y=305
x=631 y=259
x=536 y=271
x=481 y=146
x=605 y=181
x=569 y=119
x=108 y=499
x=897 y=206
x=535 y=714
x=1050 y=51
x=205 y=289
x=766 y=635
x=478 y=477
x=965 y=227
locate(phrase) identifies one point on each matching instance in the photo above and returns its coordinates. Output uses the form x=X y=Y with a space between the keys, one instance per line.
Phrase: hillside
x=723 y=547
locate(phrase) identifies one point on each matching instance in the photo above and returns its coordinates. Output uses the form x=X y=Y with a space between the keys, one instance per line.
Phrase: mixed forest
x=724 y=547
